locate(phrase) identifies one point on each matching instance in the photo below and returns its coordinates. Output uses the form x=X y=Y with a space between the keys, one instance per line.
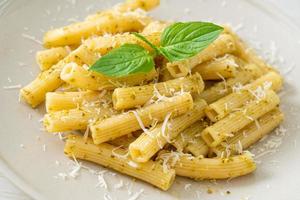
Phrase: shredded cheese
x=32 y=38
x=138 y=118
x=137 y=195
x=10 y=87
x=164 y=127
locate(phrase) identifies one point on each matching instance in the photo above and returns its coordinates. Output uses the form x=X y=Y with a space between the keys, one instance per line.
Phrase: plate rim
x=268 y=8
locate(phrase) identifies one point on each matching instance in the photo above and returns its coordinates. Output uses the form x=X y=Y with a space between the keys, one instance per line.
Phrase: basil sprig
x=179 y=41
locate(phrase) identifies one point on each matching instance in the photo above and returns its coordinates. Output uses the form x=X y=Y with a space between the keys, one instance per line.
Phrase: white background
x=290 y=8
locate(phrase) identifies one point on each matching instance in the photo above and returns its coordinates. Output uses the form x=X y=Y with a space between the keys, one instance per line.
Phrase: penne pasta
x=123 y=124
x=49 y=57
x=155 y=27
x=113 y=157
x=56 y=101
x=49 y=80
x=75 y=119
x=187 y=136
x=130 y=97
x=125 y=140
x=254 y=90
x=246 y=53
x=127 y=6
x=103 y=44
x=224 y=67
x=222 y=45
x=250 y=134
x=108 y=22
x=149 y=143
x=225 y=128
x=224 y=88
x=215 y=168
x=80 y=77
x=198 y=147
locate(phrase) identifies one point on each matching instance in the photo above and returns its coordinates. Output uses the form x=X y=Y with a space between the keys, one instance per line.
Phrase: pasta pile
x=191 y=118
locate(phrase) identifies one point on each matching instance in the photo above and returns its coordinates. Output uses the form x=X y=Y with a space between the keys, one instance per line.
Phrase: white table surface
x=290 y=8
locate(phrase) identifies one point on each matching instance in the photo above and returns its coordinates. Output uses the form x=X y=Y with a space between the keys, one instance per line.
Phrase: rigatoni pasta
x=80 y=77
x=109 y=22
x=129 y=97
x=67 y=100
x=110 y=156
x=218 y=132
x=254 y=90
x=150 y=142
x=250 y=134
x=49 y=57
x=119 y=125
x=219 y=68
x=215 y=168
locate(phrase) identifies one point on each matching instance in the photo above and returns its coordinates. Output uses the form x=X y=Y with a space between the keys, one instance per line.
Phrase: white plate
x=33 y=170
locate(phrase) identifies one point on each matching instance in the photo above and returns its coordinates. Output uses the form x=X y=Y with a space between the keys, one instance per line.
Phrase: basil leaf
x=123 y=61
x=183 y=40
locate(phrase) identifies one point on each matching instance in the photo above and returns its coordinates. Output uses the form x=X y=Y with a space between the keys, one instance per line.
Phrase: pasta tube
x=108 y=22
x=123 y=124
x=103 y=44
x=49 y=57
x=255 y=90
x=225 y=128
x=246 y=53
x=198 y=147
x=187 y=136
x=110 y=156
x=149 y=143
x=82 y=78
x=127 y=6
x=124 y=98
x=215 y=168
x=224 y=88
x=155 y=26
x=125 y=140
x=75 y=119
x=68 y=100
x=222 y=45
x=49 y=80
x=250 y=134
x=224 y=67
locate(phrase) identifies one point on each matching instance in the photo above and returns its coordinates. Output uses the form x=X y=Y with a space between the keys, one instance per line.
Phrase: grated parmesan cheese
x=133 y=164
x=119 y=155
x=225 y=84
x=164 y=126
x=101 y=182
x=187 y=187
x=119 y=185
x=107 y=197
x=32 y=38
x=44 y=147
x=136 y=195
x=140 y=121
x=10 y=87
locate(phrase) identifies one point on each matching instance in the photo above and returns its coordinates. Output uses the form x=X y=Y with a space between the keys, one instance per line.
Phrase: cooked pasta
x=254 y=90
x=147 y=144
x=218 y=132
x=215 y=168
x=122 y=124
x=129 y=97
x=153 y=98
x=113 y=157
